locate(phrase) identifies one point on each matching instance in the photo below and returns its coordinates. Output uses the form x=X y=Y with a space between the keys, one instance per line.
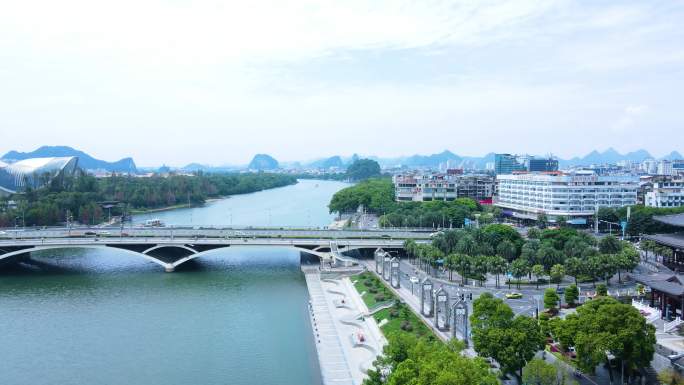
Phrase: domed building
x=34 y=173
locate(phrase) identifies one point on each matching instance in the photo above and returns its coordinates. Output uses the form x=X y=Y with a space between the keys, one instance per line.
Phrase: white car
x=414 y=280
x=3 y=233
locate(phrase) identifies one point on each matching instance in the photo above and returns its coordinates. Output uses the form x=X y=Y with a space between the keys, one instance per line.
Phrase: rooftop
x=672 y=220
x=672 y=240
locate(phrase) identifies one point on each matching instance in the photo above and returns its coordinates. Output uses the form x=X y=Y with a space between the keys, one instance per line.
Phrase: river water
x=236 y=316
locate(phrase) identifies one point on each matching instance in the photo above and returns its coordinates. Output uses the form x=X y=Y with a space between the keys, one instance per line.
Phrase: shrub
x=379 y=297
x=406 y=326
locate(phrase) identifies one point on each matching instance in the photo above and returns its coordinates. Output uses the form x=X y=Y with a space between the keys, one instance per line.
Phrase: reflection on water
x=233 y=316
x=302 y=205
x=97 y=316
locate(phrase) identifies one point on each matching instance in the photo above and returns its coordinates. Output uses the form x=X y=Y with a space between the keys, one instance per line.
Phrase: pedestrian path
x=331 y=357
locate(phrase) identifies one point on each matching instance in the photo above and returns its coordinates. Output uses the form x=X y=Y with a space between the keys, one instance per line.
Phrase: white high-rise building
x=665 y=168
x=649 y=166
x=419 y=187
x=572 y=196
x=668 y=193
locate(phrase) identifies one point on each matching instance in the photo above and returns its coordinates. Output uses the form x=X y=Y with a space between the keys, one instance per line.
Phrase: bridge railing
x=205 y=227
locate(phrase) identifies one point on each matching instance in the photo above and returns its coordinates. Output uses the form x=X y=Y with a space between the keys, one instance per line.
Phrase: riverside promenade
x=414 y=303
x=347 y=340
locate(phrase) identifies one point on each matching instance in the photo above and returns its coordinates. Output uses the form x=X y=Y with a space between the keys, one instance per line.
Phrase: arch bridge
x=171 y=248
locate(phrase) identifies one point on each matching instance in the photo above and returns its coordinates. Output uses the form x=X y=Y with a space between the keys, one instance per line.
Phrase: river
x=236 y=316
x=300 y=205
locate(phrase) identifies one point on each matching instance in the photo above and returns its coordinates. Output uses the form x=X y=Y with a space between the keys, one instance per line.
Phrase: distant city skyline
x=216 y=82
x=304 y=161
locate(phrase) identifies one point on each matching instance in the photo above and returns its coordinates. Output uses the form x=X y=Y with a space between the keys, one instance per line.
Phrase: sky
x=214 y=82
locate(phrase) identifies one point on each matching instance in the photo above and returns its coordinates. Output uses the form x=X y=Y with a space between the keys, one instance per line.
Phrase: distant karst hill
x=85 y=161
x=263 y=162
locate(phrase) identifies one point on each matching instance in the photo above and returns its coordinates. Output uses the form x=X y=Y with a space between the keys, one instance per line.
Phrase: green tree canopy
x=512 y=341
x=363 y=169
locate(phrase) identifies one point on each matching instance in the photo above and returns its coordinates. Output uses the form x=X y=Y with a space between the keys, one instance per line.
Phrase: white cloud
x=629 y=117
x=304 y=78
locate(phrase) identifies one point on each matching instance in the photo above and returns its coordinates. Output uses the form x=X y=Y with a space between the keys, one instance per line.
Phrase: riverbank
x=174 y=207
x=347 y=338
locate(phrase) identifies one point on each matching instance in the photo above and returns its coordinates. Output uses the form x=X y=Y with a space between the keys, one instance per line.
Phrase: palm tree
x=480 y=267
x=507 y=249
x=450 y=264
x=410 y=248
x=557 y=273
x=497 y=265
x=574 y=267
x=538 y=271
x=434 y=255
x=463 y=266
x=519 y=269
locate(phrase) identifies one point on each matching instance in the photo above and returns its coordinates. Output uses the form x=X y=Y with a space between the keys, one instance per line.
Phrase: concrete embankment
x=347 y=342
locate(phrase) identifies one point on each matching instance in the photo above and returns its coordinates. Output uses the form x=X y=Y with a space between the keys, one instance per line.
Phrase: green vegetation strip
x=400 y=318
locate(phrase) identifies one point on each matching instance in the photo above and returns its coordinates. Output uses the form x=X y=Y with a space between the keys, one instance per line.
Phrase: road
x=525 y=306
x=213 y=232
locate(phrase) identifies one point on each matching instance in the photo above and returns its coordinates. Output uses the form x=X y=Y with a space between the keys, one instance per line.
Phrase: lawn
x=400 y=317
x=375 y=291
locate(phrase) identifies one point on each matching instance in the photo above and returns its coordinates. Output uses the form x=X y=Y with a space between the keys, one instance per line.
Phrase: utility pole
x=596 y=220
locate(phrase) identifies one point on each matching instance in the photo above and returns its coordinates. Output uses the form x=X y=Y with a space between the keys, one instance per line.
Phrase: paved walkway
x=347 y=343
x=414 y=303
x=331 y=358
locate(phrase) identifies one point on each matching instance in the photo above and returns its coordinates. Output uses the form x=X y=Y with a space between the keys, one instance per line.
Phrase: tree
x=571 y=295
x=601 y=290
x=529 y=251
x=408 y=360
x=466 y=245
x=462 y=263
x=507 y=250
x=548 y=255
x=561 y=221
x=575 y=247
x=480 y=268
x=648 y=245
x=533 y=233
x=593 y=268
x=557 y=273
x=519 y=269
x=542 y=220
x=605 y=326
x=550 y=299
x=538 y=372
x=410 y=248
x=609 y=245
x=497 y=333
x=498 y=266
x=608 y=266
x=574 y=267
x=363 y=169
x=627 y=260
x=537 y=271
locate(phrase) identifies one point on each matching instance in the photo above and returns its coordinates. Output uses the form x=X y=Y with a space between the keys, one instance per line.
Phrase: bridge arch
x=202 y=253
x=161 y=246
x=96 y=247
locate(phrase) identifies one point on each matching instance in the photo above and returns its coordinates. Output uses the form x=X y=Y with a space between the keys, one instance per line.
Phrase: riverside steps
x=333 y=362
